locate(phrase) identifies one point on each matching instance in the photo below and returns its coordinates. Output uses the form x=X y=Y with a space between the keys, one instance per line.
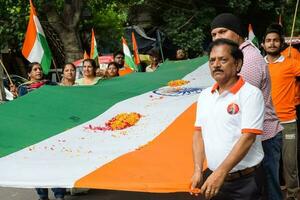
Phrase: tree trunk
x=66 y=27
x=2 y=93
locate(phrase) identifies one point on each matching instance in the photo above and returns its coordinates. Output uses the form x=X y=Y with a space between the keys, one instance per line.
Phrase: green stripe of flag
x=52 y=109
x=130 y=63
x=46 y=60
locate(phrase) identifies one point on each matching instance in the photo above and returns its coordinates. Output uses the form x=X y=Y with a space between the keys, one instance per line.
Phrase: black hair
x=119 y=52
x=115 y=64
x=275 y=28
x=30 y=66
x=69 y=64
x=154 y=52
x=235 y=52
x=93 y=63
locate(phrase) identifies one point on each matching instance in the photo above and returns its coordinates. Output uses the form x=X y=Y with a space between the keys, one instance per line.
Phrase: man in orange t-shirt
x=119 y=59
x=284 y=72
x=295 y=54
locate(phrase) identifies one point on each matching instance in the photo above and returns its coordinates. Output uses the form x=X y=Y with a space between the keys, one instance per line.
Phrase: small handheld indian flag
x=128 y=56
x=135 y=48
x=251 y=36
x=85 y=55
x=35 y=46
x=94 y=51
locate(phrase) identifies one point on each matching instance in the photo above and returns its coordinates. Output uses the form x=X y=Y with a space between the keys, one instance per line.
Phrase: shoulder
x=97 y=79
x=249 y=91
x=205 y=93
x=79 y=81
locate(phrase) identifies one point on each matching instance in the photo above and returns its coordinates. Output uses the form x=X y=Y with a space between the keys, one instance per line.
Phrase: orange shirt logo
x=233 y=108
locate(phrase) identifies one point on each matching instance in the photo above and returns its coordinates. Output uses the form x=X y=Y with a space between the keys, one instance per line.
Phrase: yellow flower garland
x=177 y=83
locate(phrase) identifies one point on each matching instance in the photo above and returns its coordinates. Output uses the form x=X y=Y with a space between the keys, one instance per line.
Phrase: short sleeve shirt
x=223 y=118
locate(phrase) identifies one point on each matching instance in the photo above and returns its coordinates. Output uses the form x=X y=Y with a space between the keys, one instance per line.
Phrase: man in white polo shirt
x=229 y=124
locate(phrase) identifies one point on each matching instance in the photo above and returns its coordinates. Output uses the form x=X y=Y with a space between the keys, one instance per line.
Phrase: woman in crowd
x=35 y=77
x=89 y=73
x=69 y=72
x=112 y=70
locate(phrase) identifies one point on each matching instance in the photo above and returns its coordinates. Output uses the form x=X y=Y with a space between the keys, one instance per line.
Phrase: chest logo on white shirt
x=233 y=108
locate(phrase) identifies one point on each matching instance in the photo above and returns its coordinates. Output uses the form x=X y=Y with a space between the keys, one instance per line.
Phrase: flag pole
x=10 y=81
x=293 y=28
x=55 y=67
x=160 y=45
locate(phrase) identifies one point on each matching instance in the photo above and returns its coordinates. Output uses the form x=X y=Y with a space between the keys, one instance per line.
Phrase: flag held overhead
x=94 y=51
x=251 y=36
x=128 y=56
x=35 y=46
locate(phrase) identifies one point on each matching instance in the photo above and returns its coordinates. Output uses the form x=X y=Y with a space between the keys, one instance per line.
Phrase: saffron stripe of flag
x=85 y=55
x=94 y=51
x=135 y=50
x=35 y=46
x=128 y=56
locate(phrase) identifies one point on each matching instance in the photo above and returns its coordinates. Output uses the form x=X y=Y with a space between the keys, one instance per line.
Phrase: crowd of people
x=245 y=124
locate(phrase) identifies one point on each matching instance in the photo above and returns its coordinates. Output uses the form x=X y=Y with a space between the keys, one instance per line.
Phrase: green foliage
x=239 y=6
x=13 y=18
x=185 y=23
x=267 y=5
x=108 y=20
x=288 y=18
x=185 y=30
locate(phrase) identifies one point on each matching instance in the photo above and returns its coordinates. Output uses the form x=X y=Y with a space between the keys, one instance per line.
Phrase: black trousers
x=248 y=187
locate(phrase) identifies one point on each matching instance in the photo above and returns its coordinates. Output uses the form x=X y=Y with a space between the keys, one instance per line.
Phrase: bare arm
x=198 y=156
x=215 y=180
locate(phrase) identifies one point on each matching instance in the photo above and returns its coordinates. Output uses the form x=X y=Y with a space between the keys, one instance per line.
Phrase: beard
x=274 y=53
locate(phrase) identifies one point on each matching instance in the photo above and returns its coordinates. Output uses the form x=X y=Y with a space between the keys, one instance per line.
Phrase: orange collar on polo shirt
x=234 y=89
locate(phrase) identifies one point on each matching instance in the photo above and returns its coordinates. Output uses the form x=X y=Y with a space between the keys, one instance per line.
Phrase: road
x=29 y=194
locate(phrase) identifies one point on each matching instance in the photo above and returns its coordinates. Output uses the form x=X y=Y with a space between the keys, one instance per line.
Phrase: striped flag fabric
x=85 y=55
x=252 y=37
x=131 y=133
x=135 y=48
x=35 y=46
x=94 y=51
x=128 y=56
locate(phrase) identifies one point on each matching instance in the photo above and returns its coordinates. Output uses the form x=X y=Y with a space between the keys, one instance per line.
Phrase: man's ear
x=239 y=64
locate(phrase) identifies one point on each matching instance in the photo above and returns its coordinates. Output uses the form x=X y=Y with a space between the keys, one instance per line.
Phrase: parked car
x=17 y=80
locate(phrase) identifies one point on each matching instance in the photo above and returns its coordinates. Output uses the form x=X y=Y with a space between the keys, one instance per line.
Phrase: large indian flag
x=35 y=46
x=58 y=136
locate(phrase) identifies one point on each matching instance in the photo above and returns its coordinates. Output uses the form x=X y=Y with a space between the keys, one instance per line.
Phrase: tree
x=13 y=19
x=187 y=22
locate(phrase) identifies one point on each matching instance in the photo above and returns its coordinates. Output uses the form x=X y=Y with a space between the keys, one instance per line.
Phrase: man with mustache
x=229 y=124
x=255 y=72
x=283 y=72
